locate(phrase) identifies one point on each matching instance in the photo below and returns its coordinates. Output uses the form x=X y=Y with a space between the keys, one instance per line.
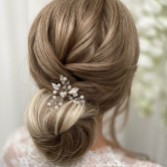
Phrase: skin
x=100 y=141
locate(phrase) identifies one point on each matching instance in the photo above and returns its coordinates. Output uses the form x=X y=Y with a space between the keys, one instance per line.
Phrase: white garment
x=21 y=152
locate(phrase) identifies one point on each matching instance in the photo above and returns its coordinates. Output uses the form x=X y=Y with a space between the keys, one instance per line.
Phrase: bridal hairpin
x=64 y=91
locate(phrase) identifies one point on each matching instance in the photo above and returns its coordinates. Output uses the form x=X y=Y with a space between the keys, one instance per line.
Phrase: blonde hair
x=95 y=45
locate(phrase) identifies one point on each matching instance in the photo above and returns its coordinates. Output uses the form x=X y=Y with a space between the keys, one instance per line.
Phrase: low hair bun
x=94 y=43
x=63 y=135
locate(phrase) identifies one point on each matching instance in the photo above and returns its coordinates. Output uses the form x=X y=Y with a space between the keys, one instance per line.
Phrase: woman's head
x=95 y=45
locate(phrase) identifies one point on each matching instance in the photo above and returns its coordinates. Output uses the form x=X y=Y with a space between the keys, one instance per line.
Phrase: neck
x=100 y=141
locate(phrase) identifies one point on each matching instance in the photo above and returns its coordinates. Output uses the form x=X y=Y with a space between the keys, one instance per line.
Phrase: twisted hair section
x=95 y=45
x=62 y=136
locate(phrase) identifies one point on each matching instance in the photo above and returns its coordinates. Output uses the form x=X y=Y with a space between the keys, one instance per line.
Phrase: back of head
x=95 y=45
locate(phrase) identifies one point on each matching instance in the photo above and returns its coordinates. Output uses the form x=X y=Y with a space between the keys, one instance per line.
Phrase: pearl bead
x=49 y=104
x=54 y=92
x=54 y=97
x=65 y=79
x=56 y=107
x=81 y=97
x=69 y=86
x=60 y=104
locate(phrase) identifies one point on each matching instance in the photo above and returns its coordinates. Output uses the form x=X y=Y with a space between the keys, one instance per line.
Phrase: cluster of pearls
x=64 y=91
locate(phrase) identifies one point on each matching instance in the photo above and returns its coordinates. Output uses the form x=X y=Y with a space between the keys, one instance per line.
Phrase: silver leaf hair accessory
x=64 y=91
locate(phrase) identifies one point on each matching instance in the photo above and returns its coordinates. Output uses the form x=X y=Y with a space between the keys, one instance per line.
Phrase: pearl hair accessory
x=64 y=91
